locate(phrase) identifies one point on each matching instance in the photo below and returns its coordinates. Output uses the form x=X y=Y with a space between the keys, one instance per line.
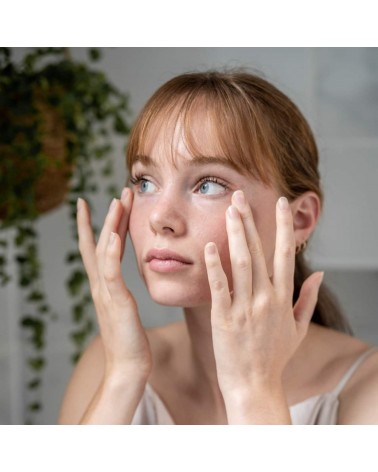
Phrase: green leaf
x=35 y=296
x=29 y=321
x=73 y=257
x=75 y=357
x=4 y=279
x=37 y=363
x=35 y=406
x=75 y=282
x=34 y=384
x=78 y=337
x=94 y=54
x=119 y=125
x=111 y=190
x=107 y=170
x=78 y=313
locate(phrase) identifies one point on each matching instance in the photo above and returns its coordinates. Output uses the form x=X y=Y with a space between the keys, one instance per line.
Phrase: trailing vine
x=58 y=117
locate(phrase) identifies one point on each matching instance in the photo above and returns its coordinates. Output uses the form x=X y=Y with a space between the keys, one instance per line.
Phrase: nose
x=168 y=216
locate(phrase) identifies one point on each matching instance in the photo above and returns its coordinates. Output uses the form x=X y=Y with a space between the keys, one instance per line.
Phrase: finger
x=240 y=257
x=111 y=223
x=308 y=297
x=87 y=243
x=112 y=271
x=126 y=202
x=260 y=276
x=284 y=255
x=220 y=294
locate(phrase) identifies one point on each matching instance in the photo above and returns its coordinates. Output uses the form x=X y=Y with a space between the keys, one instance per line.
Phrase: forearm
x=115 y=401
x=258 y=405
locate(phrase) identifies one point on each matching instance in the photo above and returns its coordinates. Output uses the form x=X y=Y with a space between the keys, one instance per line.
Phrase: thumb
x=308 y=297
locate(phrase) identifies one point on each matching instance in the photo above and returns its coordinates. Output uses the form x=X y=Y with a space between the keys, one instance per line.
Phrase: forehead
x=169 y=132
x=182 y=137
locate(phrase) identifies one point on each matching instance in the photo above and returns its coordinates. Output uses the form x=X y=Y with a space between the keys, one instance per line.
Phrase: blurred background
x=336 y=89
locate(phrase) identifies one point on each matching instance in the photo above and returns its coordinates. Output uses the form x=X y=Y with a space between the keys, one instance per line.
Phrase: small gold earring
x=301 y=247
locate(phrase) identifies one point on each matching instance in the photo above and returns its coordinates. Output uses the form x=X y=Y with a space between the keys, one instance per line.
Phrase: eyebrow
x=196 y=161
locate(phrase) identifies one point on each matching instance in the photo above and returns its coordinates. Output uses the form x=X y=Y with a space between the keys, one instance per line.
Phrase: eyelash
x=210 y=178
x=135 y=180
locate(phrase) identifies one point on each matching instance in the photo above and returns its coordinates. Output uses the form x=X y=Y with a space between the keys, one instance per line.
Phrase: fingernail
x=78 y=203
x=232 y=212
x=125 y=194
x=239 y=197
x=113 y=204
x=210 y=248
x=283 y=203
x=112 y=238
x=321 y=277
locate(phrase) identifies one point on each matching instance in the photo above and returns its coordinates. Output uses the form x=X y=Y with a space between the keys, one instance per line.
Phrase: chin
x=170 y=296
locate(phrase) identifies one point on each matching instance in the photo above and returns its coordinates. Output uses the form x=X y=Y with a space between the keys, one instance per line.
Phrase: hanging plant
x=57 y=119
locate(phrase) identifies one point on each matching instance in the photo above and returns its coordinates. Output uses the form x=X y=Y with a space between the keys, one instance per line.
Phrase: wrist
x=115 y=376
x=257 y=403
x=124 y=392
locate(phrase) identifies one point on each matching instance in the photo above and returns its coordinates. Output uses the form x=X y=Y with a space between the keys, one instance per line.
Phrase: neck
x=201 y=349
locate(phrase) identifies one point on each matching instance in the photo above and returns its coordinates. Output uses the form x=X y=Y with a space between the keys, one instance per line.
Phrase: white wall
x=337 y=90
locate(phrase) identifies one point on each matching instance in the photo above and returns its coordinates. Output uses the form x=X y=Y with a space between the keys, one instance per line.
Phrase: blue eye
x=143 y=185
x=211 y=186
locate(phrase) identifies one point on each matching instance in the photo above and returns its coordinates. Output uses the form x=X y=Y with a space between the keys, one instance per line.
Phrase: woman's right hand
x=126 y=347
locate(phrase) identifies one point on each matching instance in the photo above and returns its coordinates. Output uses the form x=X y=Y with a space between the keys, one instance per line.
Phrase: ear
x=306 y=211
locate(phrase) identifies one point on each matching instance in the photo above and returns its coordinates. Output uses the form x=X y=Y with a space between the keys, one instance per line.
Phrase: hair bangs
x=212 y=119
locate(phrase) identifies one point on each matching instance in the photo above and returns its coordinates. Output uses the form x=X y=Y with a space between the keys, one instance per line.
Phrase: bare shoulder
x=89 y=371
x=83 y=383
x=359 y=397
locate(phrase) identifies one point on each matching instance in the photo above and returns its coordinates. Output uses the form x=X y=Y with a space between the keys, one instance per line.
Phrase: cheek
x=216 y=232
x=267 y=231
x=137 y=227
x=133 y=223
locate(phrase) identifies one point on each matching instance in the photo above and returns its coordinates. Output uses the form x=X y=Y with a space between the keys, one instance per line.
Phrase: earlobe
x=306 y=211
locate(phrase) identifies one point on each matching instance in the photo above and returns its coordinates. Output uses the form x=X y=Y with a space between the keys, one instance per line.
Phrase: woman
x=225 y=195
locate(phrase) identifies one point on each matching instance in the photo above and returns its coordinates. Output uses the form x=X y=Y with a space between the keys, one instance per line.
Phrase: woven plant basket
x=51 y=188
x=52 y=185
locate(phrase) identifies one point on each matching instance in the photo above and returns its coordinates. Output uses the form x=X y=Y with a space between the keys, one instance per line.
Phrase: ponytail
x=327 y=311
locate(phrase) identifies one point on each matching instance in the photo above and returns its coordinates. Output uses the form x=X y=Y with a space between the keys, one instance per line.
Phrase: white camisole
x=319 y=409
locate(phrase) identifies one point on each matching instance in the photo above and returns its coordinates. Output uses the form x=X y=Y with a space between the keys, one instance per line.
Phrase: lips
x=164 y=254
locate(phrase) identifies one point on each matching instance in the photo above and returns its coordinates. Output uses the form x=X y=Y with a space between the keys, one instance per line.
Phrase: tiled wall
x=337 y=89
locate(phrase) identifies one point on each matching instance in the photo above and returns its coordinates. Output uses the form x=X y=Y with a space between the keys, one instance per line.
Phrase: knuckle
x=247 y=215
x=243 y=263
x=240 y=321
x=255 y=249
x=110 y=275
x=235 y=227
x=288 y=251
x=212 y=263
x=217 y=285
x=263 y=302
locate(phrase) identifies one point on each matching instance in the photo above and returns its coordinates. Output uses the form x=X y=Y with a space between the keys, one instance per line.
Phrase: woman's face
x=179 y=205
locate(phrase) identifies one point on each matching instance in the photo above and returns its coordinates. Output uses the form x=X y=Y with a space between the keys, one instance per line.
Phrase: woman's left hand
x=256 y=329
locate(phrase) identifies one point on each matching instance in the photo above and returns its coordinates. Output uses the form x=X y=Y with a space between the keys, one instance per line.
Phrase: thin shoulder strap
x=352 y=370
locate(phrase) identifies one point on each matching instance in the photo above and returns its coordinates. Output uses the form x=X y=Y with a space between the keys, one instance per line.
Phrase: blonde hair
x=259 y=130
